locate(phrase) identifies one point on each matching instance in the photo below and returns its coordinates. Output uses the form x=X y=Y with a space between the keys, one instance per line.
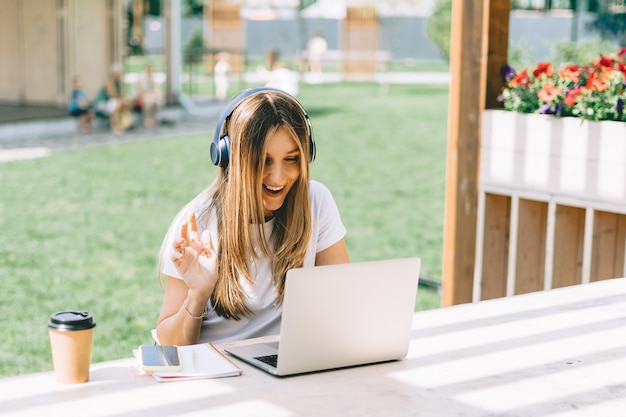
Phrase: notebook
x=337 y=316
x=199 y=361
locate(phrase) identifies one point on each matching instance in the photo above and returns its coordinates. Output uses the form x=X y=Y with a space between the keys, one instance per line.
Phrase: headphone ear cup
x=309 y=128
x=312 y=149
x=220 y=151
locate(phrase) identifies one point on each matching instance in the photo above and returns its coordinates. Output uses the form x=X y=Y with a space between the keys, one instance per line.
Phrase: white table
x=555 y=353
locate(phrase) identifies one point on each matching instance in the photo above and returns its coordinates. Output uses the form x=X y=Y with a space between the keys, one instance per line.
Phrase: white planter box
x=551 y=203
x=566 y=157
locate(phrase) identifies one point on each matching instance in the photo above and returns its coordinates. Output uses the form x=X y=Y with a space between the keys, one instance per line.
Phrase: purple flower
x=559 y=109
x=508 y=72
x=546 y=109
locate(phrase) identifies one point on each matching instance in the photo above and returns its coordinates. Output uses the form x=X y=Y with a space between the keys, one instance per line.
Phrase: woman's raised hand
x=195 y=259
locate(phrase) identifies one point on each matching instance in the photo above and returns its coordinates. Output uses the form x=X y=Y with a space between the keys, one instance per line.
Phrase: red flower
x=593 y=90
x=597 y=81
x=571 y=72
x=606 y=62
x=543 y=68
x=603 y=62
x=520 y=79
x=549 y=92
x=572 y=95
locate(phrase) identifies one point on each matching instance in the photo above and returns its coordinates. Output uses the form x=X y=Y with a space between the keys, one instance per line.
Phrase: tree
x=611 y=26
x=193 y=7
x=439 y=25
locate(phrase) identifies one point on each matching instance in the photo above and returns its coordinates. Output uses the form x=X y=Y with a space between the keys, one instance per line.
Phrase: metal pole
x=172 y=50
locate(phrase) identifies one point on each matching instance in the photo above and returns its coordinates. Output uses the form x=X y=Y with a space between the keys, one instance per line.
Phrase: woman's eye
x=288 y=159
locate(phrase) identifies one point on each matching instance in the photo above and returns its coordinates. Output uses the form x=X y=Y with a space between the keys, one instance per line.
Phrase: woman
x=110 y=103
x=227 y=252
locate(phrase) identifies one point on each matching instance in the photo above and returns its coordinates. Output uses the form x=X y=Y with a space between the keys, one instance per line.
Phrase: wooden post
x=360 y=41
x=479 y=42
x=497 y=25
x=225 y=32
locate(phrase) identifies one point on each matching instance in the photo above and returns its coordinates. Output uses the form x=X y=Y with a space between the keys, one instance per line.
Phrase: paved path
x=33 y=138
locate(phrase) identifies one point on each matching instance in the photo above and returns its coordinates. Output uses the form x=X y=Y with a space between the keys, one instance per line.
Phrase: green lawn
x=81 y=228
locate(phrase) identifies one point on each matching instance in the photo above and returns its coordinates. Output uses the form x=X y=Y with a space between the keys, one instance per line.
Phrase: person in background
x=279 y=76
x=79 y=106
x=316 y=48
x=110 y=102
x=220 y=75
x=226 y=253
x=148 y=100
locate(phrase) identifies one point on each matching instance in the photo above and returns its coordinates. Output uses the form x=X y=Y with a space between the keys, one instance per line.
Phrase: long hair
x=236 y=200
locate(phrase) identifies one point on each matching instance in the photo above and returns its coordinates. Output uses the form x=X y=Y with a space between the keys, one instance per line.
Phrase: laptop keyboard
x=271 y=360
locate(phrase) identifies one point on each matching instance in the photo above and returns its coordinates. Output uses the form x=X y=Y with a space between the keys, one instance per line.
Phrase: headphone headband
x=220 y=147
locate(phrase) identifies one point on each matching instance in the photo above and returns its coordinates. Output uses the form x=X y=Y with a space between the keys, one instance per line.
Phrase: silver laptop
x=341 y=315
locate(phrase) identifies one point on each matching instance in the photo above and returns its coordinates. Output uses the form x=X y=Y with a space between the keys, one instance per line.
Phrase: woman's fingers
x=188 y=233
x=179 y=246
x=206 y=240
x=190 y=248
x=205 y=247
x=184 y=234
x=192 y=228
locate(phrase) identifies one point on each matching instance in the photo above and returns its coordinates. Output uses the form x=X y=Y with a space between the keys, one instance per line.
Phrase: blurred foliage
x=578 y=52
x=565 y=52
x=193 y=48
x=520 y=55
x=611 y=26
x=438 y=27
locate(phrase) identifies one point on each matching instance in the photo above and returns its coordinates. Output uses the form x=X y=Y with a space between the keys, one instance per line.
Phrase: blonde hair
x=236 y=201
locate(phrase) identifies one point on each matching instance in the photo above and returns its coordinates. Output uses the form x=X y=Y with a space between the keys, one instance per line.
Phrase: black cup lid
x=71 y=320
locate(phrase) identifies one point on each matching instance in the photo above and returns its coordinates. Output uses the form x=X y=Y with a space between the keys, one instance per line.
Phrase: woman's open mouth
x=273 y=190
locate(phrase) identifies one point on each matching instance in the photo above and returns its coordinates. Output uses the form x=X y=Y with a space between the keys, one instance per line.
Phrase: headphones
x=220 y=147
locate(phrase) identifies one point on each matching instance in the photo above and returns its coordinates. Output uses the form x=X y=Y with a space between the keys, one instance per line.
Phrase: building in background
x=44 y=43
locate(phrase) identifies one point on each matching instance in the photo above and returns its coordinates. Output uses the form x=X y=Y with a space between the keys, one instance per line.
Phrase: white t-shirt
x=326 y=230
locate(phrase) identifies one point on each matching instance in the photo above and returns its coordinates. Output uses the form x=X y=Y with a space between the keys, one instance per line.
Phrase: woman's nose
x=276 y=172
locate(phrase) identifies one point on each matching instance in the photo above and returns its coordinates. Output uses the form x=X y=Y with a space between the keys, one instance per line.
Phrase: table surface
x=555 y=353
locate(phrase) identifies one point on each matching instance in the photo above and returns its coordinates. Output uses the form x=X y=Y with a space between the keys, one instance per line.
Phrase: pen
x=193 y=359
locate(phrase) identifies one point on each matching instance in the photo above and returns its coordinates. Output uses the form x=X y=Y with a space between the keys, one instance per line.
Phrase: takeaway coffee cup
x=71 y=339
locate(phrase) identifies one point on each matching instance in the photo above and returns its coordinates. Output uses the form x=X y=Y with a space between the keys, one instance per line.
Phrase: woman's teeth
x=273 y=189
